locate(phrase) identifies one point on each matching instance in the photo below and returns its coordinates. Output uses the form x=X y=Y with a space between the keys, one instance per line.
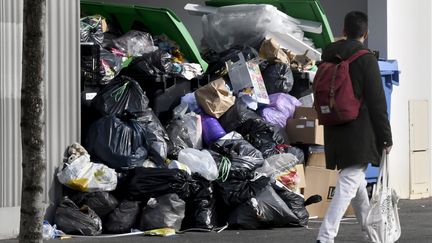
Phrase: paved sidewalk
x=415 y=216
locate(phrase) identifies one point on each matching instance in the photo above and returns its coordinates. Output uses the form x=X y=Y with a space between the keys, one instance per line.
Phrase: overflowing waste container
x=177 y=139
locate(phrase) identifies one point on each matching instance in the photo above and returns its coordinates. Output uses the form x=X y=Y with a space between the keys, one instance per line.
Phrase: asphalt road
x=415 y=216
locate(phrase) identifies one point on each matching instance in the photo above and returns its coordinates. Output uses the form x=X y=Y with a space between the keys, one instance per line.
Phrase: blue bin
x=389 y=77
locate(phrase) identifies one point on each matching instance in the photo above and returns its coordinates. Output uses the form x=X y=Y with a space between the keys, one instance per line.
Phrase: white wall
x=409 y=41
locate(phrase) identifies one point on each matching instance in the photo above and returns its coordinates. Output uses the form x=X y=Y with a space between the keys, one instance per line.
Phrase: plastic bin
x=156 y=20
x=302 y=9
x=389 y=77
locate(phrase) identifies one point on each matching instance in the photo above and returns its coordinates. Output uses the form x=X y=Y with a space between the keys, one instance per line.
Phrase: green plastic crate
x=302 y=9
x=156 y=20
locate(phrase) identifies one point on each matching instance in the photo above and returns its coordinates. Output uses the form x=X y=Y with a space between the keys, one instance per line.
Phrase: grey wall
x=335 y=11
x=62 y=98
x=377 y=11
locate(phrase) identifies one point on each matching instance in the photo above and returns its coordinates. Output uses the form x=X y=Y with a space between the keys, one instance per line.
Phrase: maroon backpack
x=334 y=97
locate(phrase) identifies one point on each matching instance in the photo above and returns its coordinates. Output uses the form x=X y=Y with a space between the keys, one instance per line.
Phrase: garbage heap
x=221 y=158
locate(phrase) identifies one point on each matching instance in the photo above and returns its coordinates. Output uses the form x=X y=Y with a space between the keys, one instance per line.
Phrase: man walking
x=352 y=145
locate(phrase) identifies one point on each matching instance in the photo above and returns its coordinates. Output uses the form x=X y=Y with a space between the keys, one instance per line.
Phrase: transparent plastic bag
x=246 y=24
x=166 y=211
x=278 y=164
x=135 y=43
x=199 y=161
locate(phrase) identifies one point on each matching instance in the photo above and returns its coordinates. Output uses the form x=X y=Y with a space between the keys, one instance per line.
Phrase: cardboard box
x=304 y=127
x=317 y=159
x=305 y=112
x=323 y=182
x=306 y=131
x=301 y=173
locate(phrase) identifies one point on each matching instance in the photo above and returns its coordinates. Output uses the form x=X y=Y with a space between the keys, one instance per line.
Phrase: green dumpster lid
x=302 y=9
x=156 y=20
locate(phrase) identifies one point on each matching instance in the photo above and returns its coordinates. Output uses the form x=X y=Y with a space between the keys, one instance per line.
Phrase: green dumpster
x=156 y=20
x=302 y=9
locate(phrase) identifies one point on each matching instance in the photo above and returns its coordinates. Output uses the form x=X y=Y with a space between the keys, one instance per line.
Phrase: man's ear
x=365 y=36
x=344 y=32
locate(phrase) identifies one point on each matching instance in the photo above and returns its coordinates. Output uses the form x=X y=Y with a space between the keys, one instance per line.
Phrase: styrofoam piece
x=310 y=26
x=196 y=9
x=298 y=47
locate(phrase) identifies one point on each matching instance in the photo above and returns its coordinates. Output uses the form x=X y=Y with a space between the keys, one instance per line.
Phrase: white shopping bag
x=382 y=221
x=82 y=175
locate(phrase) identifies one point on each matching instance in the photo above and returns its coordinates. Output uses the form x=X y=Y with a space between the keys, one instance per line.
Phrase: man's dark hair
x=355 y=24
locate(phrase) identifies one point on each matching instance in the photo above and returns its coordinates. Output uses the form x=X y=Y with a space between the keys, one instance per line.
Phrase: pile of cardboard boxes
x=303 y=128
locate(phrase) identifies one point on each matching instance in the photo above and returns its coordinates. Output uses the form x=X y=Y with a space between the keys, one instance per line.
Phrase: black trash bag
x=73 y=220
x=236 y=116
x=295 y=202
x=183 y=133
x=124 y=177
x=200 y=207
x=117 y=141
x=216 y=61
x=262 y=135
x=102 y=203
x=302 y=85
x=155 y=135
x=166 y=211
x=264 y=210
x=278 y=78
x=123 y=218
x=121 y=94
x=241 y=153
x=236 y=190
x=91 y=29
x=154 y=182
x=149 y=65
x=110 y=66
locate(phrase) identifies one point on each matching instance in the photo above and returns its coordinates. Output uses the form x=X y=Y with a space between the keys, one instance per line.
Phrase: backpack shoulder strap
x=357 y=55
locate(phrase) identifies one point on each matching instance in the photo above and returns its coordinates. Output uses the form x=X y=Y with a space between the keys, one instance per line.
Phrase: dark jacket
x=360 y=141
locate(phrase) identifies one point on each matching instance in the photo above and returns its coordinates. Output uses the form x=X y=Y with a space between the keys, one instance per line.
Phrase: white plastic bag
x=382 y=221
x=199 y=161
x=278 y=164
x=82 y=175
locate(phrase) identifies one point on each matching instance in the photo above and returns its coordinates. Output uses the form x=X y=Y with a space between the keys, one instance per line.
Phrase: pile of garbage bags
x=223 y=158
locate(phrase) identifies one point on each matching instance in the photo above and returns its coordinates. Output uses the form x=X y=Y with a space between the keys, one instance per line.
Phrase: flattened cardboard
x=323 y=182
x=301 y=173
x=317 y=159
